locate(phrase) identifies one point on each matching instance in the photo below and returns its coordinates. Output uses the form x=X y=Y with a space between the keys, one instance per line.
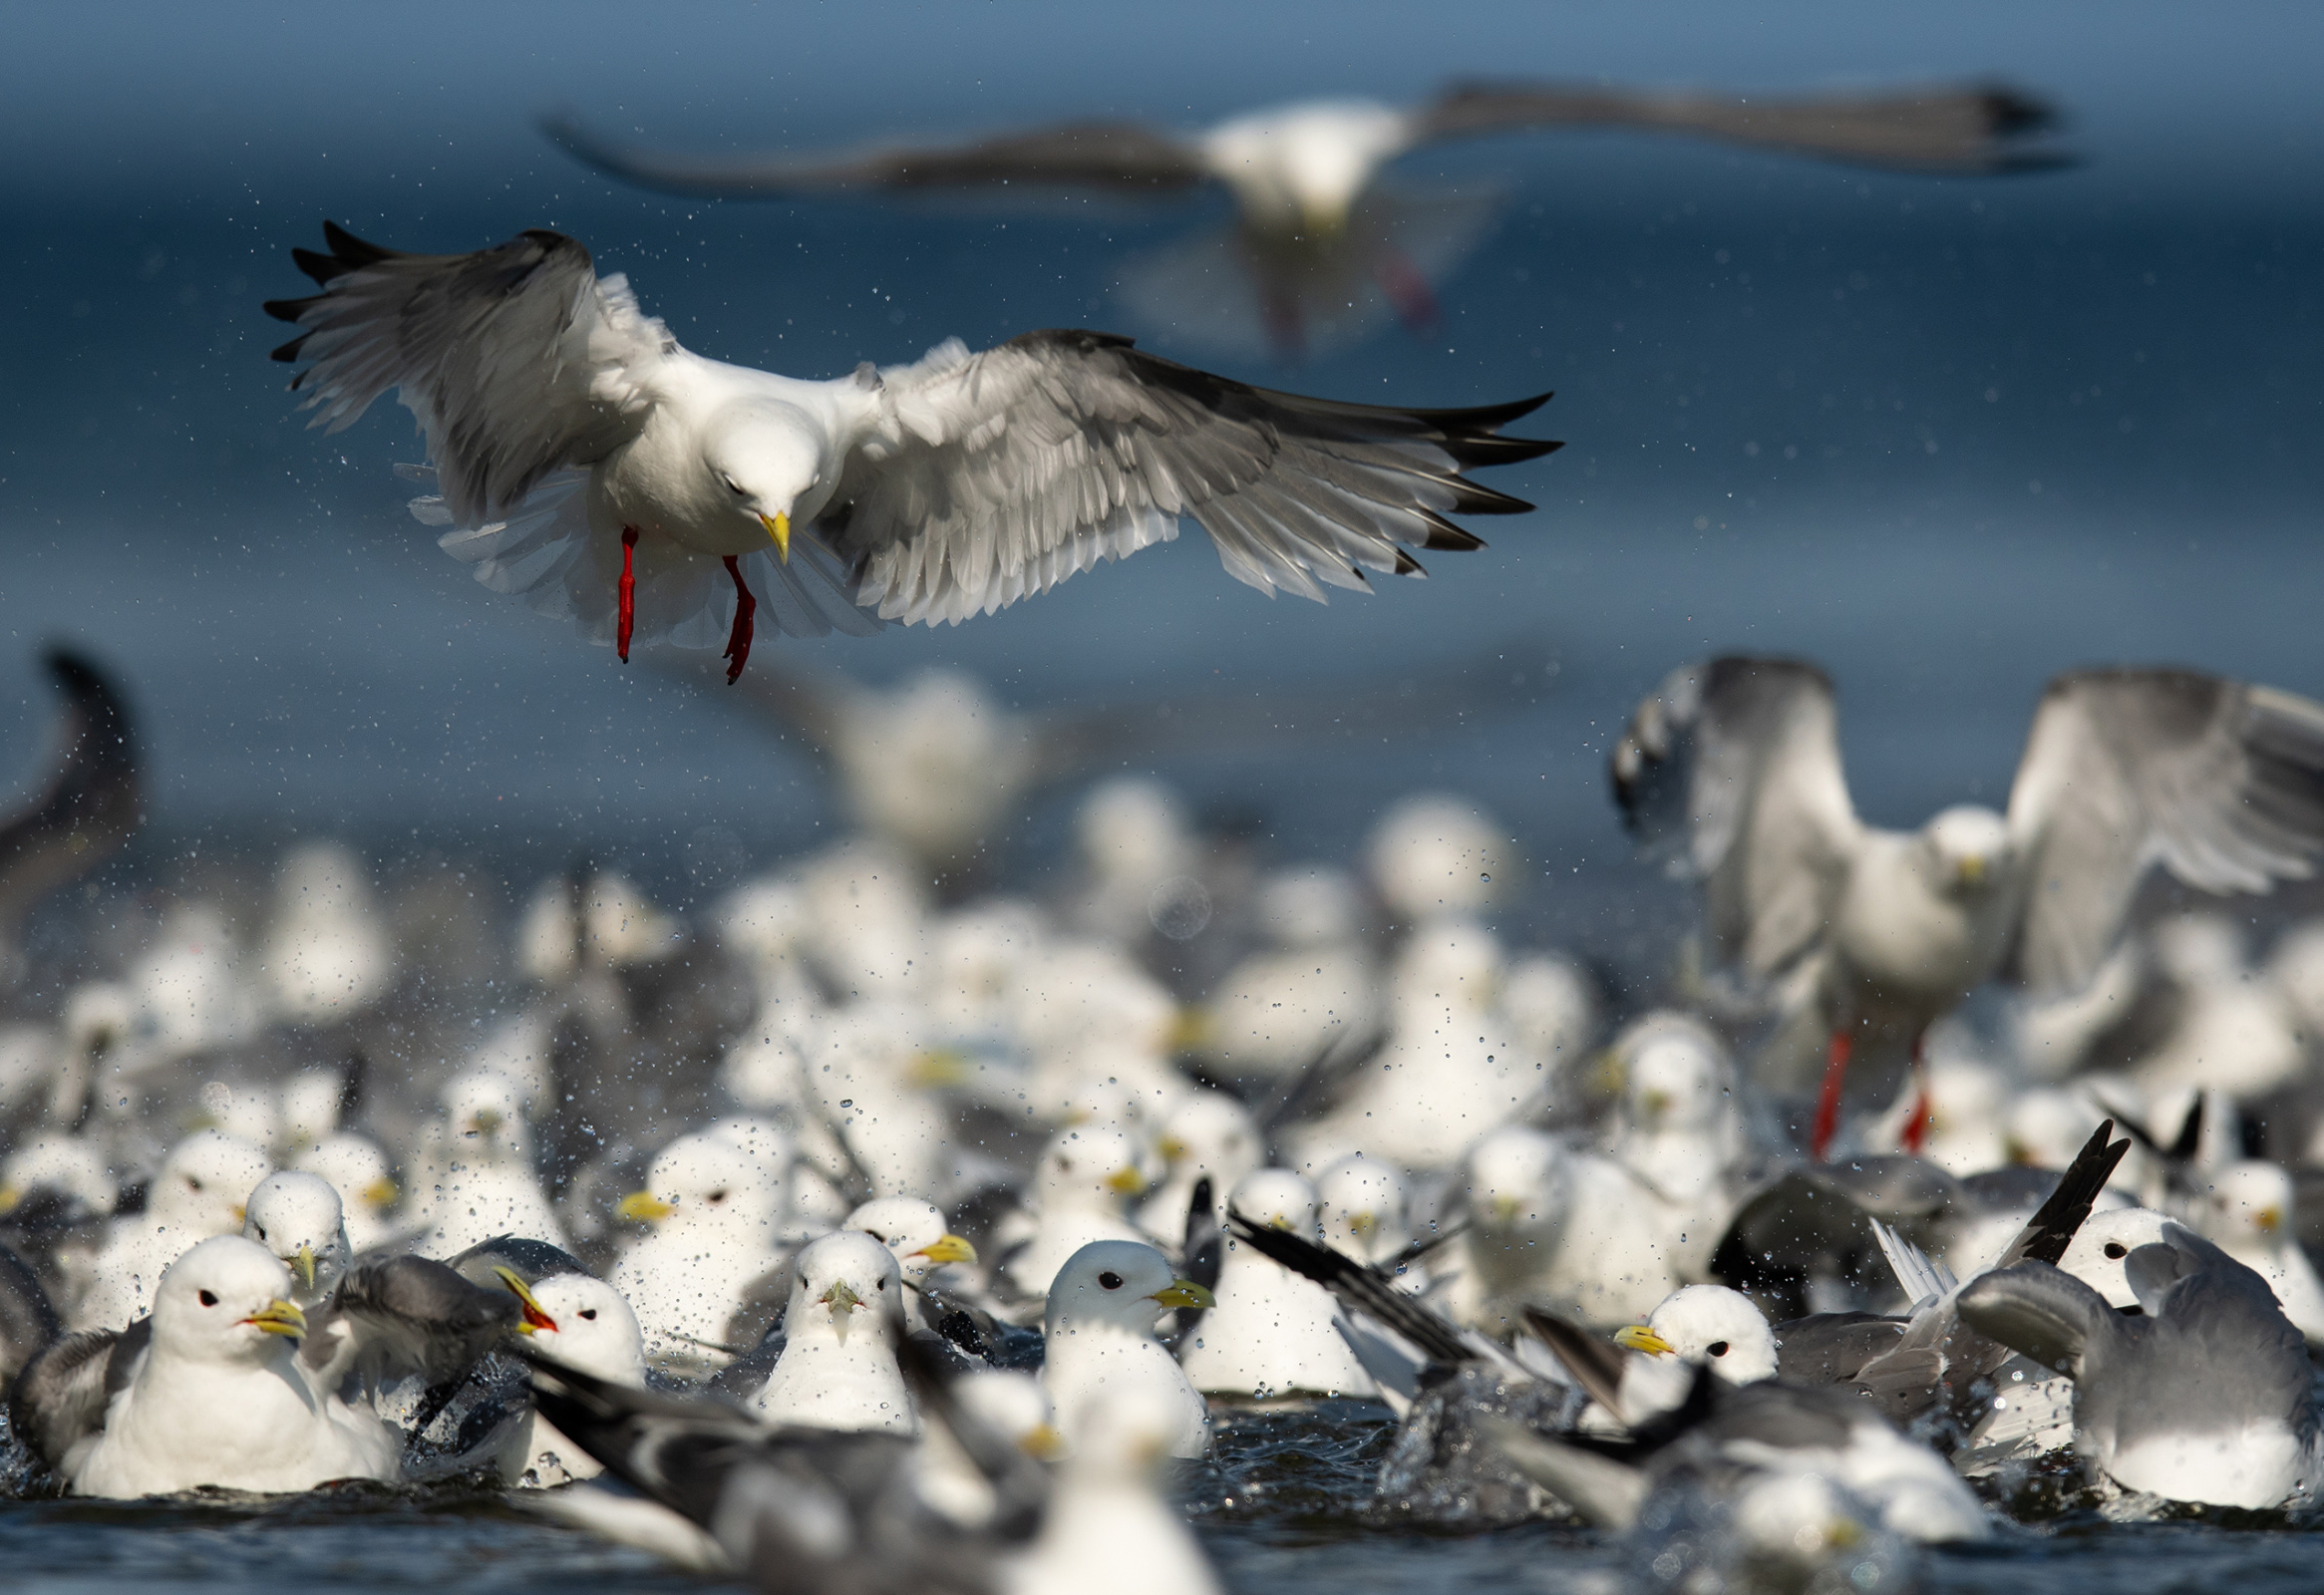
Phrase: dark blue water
x=1946 y=437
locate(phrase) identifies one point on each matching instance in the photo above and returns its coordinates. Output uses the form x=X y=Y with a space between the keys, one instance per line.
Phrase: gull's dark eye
x=733 y=487
x=1110 y=1279
x=2116 y=1250
x=718 y=1195
x=206 y=1299
x=191 y=1183
x=1065 y=1164
x=878 y=1236
x=590 y=1313
x=262 y=1231
x=1717 y=1348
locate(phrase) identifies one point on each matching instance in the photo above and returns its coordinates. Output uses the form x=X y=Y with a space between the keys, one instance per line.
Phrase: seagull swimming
x=919 y=494
x=208 y=1391
x=1098 y=1328
x=1271 y=1333
x=839 y=1369
x=1732 y=770
x=578 y=1322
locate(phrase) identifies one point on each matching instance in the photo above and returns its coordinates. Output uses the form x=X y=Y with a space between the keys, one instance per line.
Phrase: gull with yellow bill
x=1097 y=1331
x=298 y=1217
x=839 y=1369
x=208 y=1391
x=586 y=460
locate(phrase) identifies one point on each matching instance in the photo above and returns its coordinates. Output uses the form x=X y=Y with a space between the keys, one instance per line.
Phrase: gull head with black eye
x=765 y=464
x=1118 y=1287
x=225 y=1299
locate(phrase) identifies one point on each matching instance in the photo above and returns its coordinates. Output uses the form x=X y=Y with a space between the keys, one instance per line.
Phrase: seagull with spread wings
x=1731 y=771
x=586 y=460
x=1317 y=236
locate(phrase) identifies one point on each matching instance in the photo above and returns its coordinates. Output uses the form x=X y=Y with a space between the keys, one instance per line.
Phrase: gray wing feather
x=2041 y=1311
x=91 y=805
x=516 y=360
x=1116 y=156
x=1608 y=1492
x=2221 y=782
x=988 y=478
x=1731 y=774
x=60 y=1397
x=1940 y=129
x=412 y=1315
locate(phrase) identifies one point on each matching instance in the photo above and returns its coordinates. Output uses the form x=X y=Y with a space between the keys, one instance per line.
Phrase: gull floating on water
x=586 y=459
x=1098 y=1330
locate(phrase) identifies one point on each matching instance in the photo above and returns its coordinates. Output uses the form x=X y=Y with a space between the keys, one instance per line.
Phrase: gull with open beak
x=837 y=1369
x=208 y=1391
x=582 y=1323
x=298 y=1218
x=1098 y=1333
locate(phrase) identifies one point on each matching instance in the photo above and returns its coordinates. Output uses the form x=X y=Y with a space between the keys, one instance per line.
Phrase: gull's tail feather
x=547 y=554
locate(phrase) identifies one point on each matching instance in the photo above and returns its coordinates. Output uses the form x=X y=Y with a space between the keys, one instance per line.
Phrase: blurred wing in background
x=1731 y=772
x=1120 y=157
x=1938 y=128
x=93 y=803
x=2221 y=782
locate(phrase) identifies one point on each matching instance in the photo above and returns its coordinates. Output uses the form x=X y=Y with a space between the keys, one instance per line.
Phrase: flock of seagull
x=862 y=1235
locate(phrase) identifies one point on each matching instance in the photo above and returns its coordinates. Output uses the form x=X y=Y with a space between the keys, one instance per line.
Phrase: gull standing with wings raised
x=931 y=491
x=1731 y=771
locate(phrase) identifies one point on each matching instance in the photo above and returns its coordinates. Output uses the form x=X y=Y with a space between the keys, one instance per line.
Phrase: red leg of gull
x=1828 y=1099
x=1407 y=291
x=625 y=618
x=1914 y=1136
x=738 y=637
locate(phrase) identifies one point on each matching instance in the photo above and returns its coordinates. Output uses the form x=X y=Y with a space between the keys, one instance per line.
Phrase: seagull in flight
x=586 y=460
x=1315 y=229
x=1731 y=771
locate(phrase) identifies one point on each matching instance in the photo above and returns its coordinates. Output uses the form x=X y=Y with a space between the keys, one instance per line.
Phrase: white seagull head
x=1967 y=851
x=298 y=1217
x=583 y=1323
x=914 y=1232
x=1119 y=1287
x=225 y=1301
x=766 y=459
x=1710 y=1326
x=841 y=1278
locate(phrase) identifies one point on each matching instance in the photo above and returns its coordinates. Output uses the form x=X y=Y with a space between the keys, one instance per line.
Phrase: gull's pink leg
x=626 y=618
x=738 y=637
x=1828 y=1099
x=1407 y=291
x=1915 y=1133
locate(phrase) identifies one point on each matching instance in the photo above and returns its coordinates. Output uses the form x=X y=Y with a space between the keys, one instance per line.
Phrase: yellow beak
x=380 y=1194
x=644 y=1207
x=1190 y=1030
x=1506 y=1209
x=1171 y=1149
x=280 y=1316
x=1971 y=869
x=778 y=528
x=304 y=1262
x=938 y=1065
x=535 y=1319
x=947 y=1249
x=1360 y=1226
x=1125 y=1180
x=1183 y=1293
x=1042 y=1442
x=842 y=1301
x=239 y=1213
x=9 y=1197
x=1641 y=1339
x=2268 y=1218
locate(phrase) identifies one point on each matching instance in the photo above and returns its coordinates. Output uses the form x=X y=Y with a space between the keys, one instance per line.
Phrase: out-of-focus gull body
x=1731 y=771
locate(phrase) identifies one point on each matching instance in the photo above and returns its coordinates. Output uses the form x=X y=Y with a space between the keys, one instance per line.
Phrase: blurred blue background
x=1944 y=436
